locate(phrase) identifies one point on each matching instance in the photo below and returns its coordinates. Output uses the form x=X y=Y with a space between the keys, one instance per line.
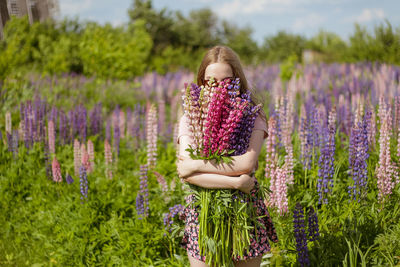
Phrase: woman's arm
x=216 y=181
x=241 y=164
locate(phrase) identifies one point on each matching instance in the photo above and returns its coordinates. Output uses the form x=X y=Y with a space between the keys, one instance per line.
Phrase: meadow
x=88 y=167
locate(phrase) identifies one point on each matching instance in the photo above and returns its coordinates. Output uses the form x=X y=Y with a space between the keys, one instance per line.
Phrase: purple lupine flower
x=300 y=235
x=143 y=194
x=15 y=140
x=108 y=130
x=47 y=158
x=9 y=142
x=116 y=130
x=326 y=162
x=69 y=179
x=240 y=140
x=358 y=155
x=82 y=113
x=83 y=183
x=139 y=205
x=169 y=217
x=95 y=119
x=313 y=228
x=129 y=122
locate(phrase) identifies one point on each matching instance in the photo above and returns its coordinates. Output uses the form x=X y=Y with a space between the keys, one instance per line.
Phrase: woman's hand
x=246 y=183
x=185 y=167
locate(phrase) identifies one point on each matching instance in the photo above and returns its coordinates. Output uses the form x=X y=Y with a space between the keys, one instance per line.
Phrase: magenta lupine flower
x=108 y=159
x=385 y=169
x=55 y=167
x=51 y=135
x=218 y=105
x=77 y=157
x=151 y=135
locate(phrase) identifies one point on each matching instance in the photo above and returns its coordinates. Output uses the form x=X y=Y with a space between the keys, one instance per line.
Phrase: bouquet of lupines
x=221 y=120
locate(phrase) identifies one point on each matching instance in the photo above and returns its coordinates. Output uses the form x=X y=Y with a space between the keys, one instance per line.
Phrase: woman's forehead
x=218 y=70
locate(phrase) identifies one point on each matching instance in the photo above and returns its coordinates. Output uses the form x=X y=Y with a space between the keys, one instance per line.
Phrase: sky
x=265 y=17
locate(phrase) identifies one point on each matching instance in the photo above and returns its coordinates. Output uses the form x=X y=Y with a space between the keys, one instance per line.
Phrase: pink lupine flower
x=51 y=135
x=55 y=166
x=385 y=169
x=85 y=159
x=271 y=157
x=161 y=180
x=218 y=102
x=90 y=151
x=108 y=158
x=151 y=135
x=278 y=186
x=77 y=157
x=372 y=128
x=288 y=166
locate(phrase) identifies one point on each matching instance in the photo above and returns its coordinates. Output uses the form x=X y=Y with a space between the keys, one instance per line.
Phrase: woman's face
x=219 y=71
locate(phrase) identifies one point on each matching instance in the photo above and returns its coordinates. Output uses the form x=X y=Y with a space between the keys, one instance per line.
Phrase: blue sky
x=266 y=17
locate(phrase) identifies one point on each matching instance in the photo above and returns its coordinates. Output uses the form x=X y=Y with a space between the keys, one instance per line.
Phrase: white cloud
x=229 y=9
x=368 y=14
x=310 y=21
x=74 y=7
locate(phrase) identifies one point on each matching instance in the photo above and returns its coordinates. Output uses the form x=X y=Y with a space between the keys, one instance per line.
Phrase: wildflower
x=143 y=194
x=313 y=229
x=151 y=135
x=77 y=157
x=358 y=155
x=108 y=158
x=117 y=133
x=55 y=166
x=90 y=151
x=161 y=180
x=69 y=179
x=83 y=183
x=51 y=135
x=300 y=235
x=173 y=211
x=385 y=169
x=326 y=162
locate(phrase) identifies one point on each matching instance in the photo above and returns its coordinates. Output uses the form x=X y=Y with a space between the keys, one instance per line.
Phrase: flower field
x=88 y=167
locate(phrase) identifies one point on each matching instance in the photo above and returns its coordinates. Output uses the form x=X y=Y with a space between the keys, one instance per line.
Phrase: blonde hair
x=224 y=54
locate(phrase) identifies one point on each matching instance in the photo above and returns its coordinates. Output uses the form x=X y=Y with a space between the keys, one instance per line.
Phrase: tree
x=279 y=47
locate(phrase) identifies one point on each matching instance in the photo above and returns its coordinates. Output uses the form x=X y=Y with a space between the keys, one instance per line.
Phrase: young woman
x=221 y=62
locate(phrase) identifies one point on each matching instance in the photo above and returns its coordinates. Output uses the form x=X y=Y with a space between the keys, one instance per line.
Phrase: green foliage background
x=163 y=41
